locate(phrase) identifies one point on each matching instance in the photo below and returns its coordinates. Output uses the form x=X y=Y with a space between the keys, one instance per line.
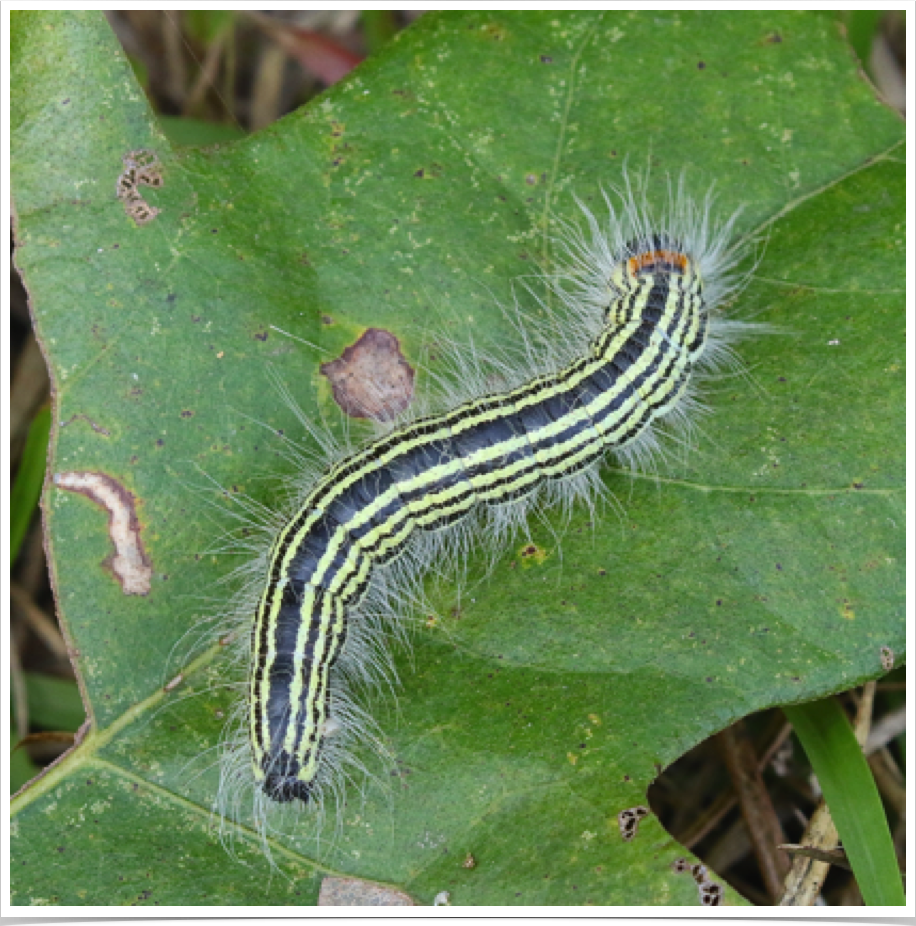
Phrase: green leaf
x=543 y=699
x=850 y=792
x=29 y=479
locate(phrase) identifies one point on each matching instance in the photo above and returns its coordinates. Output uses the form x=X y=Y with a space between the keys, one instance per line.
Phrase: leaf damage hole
x=141 y=168
x=371 y=378
x=129 y=563
x=711 y=892
x=628 y=821
x=887 y=658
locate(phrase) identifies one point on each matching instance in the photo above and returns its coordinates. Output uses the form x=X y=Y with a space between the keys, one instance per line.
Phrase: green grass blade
x=29 y=480
x=852 y=797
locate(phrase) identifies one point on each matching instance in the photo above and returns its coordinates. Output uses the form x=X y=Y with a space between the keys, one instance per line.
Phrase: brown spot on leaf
x=129 y=563
x=371 y=378
x=887 y=658
x=532 y=555
x=495 y=31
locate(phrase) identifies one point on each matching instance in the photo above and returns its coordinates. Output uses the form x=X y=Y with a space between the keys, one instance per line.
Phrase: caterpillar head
x=657 y=255
x=660 y=254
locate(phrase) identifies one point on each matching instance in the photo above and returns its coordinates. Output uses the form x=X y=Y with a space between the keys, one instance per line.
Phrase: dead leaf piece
x=351 y=892
x=371 y=378
x=129 y=562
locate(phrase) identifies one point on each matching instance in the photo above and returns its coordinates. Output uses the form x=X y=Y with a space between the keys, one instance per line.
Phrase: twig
x=889 y=780
x=763 y=825
x=46 y=628
x=176 y=71
x=830 y=856
x=17 y=686
x=206 y=78
x=806 y=877
x=888 y=728
x=710 y=819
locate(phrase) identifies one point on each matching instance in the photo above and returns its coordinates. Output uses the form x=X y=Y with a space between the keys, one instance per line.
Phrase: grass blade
x=29 y=480
x=851 y=794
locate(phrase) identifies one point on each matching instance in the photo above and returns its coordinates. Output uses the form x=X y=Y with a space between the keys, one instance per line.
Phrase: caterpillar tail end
x=280 y=779
x=286 y=788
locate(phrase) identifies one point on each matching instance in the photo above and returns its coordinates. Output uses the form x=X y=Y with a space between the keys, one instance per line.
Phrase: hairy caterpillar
x=637 y=325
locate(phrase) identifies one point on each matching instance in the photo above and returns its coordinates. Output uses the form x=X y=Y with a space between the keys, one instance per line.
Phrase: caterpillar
x=635 y=324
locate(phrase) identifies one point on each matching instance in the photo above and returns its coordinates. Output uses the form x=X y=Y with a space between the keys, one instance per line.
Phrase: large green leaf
x=767 y=569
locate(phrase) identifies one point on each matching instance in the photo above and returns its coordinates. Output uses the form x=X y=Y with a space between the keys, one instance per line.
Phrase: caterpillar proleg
x=635 y=323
